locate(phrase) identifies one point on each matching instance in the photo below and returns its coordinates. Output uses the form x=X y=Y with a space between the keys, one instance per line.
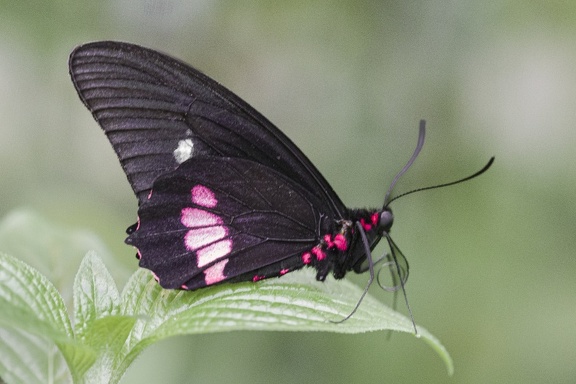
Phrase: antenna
x=484 y=169
x=421 y=136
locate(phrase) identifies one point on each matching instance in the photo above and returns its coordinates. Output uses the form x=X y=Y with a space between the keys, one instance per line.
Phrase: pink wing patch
x=214 y=252
x=207 y=235
x=197 y=218
x=203 y=196
x=215 y=273
x=200 y=237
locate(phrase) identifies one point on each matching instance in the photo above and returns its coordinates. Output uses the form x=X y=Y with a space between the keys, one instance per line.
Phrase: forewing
x=158 y=112
x=217 y=219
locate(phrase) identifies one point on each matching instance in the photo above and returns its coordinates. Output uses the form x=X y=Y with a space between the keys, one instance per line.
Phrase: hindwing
x=217 y=219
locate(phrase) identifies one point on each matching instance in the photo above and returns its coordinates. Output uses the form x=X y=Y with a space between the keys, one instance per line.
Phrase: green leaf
x=113 y=329
x=95 y=294
x=295 y=302
x=23 y=290
x=31 y=304
x=26 y=359
x=108 y=336
x=96 y=304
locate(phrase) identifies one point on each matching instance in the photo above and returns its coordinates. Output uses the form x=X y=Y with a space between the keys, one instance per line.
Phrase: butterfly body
x=223 y=195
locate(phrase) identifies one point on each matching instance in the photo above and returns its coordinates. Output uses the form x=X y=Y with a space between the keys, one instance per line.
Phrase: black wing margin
x=157 y=112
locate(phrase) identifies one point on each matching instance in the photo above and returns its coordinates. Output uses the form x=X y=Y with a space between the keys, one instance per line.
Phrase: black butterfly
x=224 y=195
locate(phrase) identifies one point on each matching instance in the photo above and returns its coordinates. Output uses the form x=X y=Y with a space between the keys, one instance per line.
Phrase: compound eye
x=386 y=220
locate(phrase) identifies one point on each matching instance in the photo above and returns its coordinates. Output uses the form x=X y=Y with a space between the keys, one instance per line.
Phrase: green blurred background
x=493 y=272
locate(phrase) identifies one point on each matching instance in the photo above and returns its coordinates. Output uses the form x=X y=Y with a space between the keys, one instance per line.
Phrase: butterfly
x=223 y=195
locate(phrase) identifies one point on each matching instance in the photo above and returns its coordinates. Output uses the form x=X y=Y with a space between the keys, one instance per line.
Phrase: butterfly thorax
x=343 y=250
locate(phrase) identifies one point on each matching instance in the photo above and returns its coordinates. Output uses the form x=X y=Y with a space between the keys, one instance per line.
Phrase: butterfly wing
x=216 y=219
x=158 y=112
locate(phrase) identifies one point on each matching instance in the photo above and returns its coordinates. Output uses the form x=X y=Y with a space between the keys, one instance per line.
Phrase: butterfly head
x=386 y=221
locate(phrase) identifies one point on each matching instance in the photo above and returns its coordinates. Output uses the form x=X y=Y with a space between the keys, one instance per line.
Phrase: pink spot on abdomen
x=284 y=271
x=306 y=258
x=328 y=240
x=203 y=196
x=215 y=273
x=340 y=242
x=320 y=254
x=257 y=278
x=365 y=225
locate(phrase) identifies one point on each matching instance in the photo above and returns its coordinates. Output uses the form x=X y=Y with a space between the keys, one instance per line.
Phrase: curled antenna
x=421 y=136
x=484 y=169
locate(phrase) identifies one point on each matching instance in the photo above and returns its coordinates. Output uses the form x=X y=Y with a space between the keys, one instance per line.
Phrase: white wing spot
x=184 y=151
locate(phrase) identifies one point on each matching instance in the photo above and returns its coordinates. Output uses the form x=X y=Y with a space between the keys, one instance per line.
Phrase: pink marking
x=320 y=254
x=155 y=277
x=215 y=273
x=203 y=196
x=138 y=254
x=340 y=242
x=194 y=218
x=284 y=271
x=206 y=229
x=199 y=237
x=150 y=194
x=365 y=225
x=213 y=252
x=184 y=286
x=328 y=240
x=257 y=278
x=306 y=258
x=138 y=223
x=375 y=218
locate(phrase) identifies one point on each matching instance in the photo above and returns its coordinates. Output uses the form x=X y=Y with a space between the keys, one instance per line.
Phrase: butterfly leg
x=370 y=269
x=403 y=275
